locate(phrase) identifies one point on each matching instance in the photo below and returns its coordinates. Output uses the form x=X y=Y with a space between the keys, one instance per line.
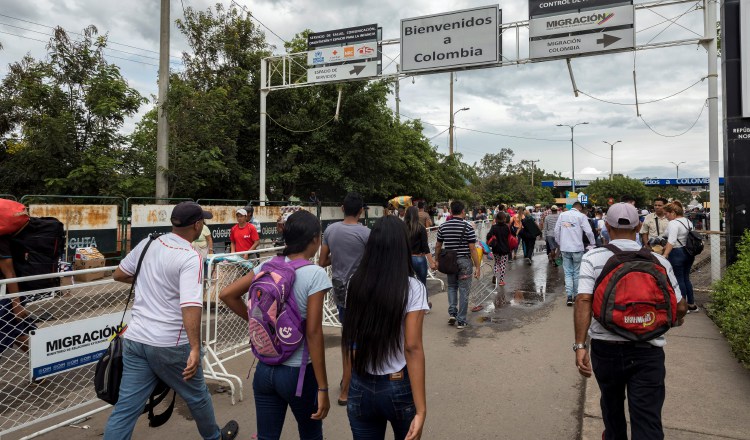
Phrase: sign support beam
x=709 y=16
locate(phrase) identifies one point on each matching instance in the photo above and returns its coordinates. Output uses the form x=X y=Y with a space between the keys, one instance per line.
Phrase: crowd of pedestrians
x=378 y=283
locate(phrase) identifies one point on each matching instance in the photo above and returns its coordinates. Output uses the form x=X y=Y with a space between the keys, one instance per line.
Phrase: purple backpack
x=276 y=326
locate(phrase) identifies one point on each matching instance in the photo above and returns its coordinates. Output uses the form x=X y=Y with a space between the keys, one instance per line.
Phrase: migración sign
x=451 y=40
x=582 y=43
x=582 y=21
x=543 y=7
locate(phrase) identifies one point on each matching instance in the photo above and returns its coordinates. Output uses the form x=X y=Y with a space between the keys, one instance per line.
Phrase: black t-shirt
x=4 y=246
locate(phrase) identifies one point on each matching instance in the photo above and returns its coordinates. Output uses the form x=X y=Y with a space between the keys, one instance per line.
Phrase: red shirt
x=243 y=238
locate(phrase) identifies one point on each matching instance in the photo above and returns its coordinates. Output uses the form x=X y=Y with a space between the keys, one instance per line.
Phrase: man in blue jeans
x=569 y=231
x=162 y=340
x=458 y=235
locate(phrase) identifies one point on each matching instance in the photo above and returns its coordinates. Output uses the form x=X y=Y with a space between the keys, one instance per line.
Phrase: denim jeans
x=141 y=365
x=420 y=268
x=639 y=371
x=459 y=285
x=274 y=387
x=571 y=267
x=376 y=400
x=682 y=263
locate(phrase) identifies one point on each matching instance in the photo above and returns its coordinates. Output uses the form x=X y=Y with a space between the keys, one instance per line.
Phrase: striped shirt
x=450 y=232
x=591 y=267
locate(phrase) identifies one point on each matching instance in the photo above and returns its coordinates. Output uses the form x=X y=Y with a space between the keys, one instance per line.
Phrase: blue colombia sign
x=687 y=181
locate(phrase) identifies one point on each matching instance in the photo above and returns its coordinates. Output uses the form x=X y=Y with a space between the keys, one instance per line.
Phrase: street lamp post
x=572 y=151
x=678 y=167
x=611 y=157
x=453 y=117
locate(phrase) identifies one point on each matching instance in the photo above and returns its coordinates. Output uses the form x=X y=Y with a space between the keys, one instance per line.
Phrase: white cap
x=241 y=211
x=644 y=212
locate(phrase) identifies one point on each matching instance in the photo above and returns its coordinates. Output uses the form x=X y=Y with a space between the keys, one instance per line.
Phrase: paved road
x=509 y=376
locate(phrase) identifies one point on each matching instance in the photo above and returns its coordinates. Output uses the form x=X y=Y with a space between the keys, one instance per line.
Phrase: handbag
x=109 y=368
x=448 y=259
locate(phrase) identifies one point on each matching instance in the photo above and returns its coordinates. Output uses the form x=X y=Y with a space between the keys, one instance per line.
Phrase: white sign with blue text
x=341 y=54
x=64 y=347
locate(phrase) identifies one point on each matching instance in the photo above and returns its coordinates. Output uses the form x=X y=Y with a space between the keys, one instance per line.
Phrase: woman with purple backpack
x=280 y=383
x=385 y=308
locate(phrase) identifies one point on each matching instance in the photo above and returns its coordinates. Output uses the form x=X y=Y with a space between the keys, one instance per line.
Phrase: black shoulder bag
x=448 y=259
x=108 y=373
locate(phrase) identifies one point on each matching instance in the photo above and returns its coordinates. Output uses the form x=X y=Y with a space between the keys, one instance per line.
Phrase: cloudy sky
x=515 y=107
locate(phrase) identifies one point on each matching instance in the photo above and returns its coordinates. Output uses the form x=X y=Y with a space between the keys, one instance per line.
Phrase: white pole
x=263 y=97
x=162 y=127
x=709 y=14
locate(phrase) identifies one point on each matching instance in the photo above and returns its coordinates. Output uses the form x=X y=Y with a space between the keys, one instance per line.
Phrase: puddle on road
x=528 y=299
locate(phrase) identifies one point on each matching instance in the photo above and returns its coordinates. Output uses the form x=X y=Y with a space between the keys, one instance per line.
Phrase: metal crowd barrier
x=25 y=402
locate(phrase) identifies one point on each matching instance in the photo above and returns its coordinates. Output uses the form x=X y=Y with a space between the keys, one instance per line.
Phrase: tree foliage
x=61 y=119
x=503 y=181
x=670 y=193
x=600 y=190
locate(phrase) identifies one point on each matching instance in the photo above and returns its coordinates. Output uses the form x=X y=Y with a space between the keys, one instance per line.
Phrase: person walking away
x=497 y=237
x=421 y=258
x=424 y=218
x=162 y=340
x=385 y=310
x=548 y=227
x=243 y=236
x=516 y=224
x=677 y=231
x=529 y=232
x=16 y=323
x=343 y=245
x=655 y=225
x=458 y=235
x=205 y=243
x=569 y=231
x=275 y=386
x=619 y=364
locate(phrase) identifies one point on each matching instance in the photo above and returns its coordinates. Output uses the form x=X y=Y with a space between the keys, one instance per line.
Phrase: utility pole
x=398 y=100
x=450 y=128
x=162 y=127
x=533 y=163
x=611 y=157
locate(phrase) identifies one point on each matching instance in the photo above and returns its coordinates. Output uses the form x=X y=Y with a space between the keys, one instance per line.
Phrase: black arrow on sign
x=356 y=70
x=608 y=40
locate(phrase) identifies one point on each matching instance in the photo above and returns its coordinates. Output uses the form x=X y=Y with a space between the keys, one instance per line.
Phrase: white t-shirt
x=417 y=301
x=591 y=267
x=170 y=279
x=677 y=232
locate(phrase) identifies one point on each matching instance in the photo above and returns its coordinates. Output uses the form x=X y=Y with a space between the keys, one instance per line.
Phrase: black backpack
x=693 y=243
x=36 y=250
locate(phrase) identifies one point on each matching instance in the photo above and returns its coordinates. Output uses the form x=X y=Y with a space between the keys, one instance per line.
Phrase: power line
x=107 y=55
x=301 y=131
x=645 y=102
x=250 y=14
x=438 y=134
x=488 y=132
x=588 y=151
x=703 y=107
x=79 y=34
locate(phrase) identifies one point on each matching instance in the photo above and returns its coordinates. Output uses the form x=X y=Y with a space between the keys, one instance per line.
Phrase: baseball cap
x=188 y=213
x=622 y=216
x=554 y=207
x=644 y=212
x=241 y=211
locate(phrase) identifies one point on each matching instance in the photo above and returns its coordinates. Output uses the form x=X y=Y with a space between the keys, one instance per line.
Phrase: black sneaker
x=451 y=320
x=692 y=308
x=570 y=302
x=494 y=280
x=461 y=324
x=229 y=431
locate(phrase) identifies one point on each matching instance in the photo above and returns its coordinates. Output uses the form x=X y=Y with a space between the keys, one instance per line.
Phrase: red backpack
x=633 y=297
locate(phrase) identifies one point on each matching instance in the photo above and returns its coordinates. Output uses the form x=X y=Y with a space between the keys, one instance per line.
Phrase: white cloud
x=590 y=171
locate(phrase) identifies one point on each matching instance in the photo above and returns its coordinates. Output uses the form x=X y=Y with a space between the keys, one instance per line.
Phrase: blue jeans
x=571 y=267
x=376 y=400
x=420 y=268
x=682 y=263
x=459 y=285
x=142 y=364
x=274 y=387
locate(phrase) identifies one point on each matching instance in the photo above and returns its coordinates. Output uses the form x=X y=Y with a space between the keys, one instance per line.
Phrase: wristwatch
x=584 y=346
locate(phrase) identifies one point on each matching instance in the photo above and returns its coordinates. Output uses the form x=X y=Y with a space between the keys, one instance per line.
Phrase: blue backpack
x=276 y=326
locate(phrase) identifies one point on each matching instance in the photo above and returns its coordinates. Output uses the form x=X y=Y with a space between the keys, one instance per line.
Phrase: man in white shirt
x=569 y=232
x=162 y=339
x=621 y=365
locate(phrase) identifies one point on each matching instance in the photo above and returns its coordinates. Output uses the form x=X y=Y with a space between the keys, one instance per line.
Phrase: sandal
x=229 y=431
x=342 y=402
x=477 y=308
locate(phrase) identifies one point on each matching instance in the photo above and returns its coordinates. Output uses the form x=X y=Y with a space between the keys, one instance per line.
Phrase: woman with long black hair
x=385 y=308
x=420 y=247
x=274 y=386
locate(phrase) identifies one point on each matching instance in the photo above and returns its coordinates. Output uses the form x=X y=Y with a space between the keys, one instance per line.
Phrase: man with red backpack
x=634 y=298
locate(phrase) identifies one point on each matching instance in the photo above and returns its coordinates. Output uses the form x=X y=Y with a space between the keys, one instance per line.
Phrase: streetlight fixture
x=452 y=128
x=611 y=157
x=572 y=151
x=678 y=167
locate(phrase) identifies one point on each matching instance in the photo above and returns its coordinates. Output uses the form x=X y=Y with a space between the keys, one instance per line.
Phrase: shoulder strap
x=302 y=262
x=688 y=229
x=151 y=239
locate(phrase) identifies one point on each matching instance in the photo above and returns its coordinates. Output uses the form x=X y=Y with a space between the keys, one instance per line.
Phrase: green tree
x=669 y=193
x=600 y=190
x=503 y=181
x=62 y=118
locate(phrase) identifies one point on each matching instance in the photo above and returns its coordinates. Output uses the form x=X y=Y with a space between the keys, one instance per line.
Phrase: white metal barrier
x=23 y=402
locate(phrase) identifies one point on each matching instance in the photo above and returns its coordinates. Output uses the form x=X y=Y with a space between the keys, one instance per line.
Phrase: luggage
x=13 y=216
x=693 y=243
x=36 y=250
